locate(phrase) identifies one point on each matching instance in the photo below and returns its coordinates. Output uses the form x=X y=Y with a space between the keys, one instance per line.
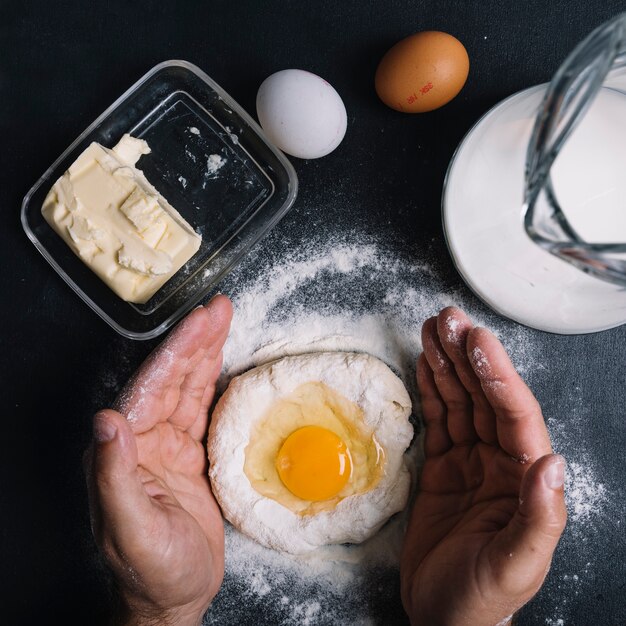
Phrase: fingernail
x=103 y=429
x=555 y=474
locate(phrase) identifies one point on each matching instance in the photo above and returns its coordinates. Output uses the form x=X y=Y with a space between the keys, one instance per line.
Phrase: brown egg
x=422 y=72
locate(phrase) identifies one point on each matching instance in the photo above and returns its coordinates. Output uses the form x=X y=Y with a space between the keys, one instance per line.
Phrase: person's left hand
x=491 y=507
x=153 y=514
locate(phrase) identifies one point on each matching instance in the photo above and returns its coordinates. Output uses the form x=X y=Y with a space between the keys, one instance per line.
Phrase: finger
x=522 y=551
x=456 y=398
x=436 y=437
x=198 y=429
x=453 y=327
x=154 y=392
x=191 y=393
x=521 y=430
x=117 y=496
x=199 y=385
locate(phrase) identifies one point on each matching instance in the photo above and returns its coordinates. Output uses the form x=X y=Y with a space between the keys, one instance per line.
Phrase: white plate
x=482 y=220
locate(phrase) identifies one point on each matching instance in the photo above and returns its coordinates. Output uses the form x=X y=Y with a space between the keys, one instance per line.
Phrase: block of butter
x=118 y=223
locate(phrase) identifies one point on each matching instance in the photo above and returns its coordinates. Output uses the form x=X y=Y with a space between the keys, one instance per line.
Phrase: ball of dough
x=354 y=395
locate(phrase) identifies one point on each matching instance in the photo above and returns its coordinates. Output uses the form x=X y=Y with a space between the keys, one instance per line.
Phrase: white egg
x=301 y=113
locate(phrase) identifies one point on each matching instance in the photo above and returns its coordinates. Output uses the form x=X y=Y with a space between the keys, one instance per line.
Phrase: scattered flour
x=585 y=495
x=452 y=326
x=336 y=295
x=346 y=296
x=590 y=514
x=481 y=362
x=135 y=399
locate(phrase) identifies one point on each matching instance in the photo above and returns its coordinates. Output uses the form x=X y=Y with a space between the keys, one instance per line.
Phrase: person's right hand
x=153 y=514
x=490 y=510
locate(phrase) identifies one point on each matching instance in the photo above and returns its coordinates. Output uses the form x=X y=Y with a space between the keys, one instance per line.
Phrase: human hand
x=153 y=514
x=491 y=509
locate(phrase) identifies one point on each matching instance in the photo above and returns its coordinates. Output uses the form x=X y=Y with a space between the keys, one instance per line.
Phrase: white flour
x=345 y=296
x=586 y=497
x=335 y=295
x=589 y=509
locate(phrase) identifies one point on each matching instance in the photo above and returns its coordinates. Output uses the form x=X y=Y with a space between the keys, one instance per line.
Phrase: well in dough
x=276 y=419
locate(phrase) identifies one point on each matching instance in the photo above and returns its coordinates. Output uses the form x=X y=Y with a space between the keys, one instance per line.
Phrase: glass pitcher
x=593 y=75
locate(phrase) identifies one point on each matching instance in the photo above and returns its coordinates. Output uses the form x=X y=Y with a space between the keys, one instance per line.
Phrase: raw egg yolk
x=314 y=463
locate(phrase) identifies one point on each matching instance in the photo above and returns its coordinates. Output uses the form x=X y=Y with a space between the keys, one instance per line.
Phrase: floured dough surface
x=367 y=402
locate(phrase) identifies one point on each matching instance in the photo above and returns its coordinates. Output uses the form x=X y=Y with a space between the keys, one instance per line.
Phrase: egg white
x=312 y=404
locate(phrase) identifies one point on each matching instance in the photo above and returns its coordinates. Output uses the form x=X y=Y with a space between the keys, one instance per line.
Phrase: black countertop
x=62 y=63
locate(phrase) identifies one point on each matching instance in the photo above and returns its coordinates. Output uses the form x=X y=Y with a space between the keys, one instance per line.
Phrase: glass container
x=188 y=121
